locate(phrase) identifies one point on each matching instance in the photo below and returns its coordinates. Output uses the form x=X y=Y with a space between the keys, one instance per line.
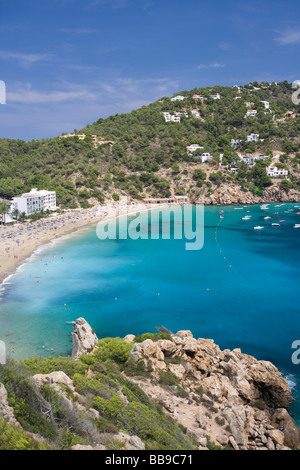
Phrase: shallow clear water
x=241 y=289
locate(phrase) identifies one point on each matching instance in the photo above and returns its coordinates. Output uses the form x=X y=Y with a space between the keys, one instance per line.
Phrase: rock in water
x=84 y=339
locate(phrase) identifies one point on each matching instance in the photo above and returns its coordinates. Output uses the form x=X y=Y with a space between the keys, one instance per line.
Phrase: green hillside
x=139 y=154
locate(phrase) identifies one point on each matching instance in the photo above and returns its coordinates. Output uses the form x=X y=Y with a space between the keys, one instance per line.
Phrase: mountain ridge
x=139 y=154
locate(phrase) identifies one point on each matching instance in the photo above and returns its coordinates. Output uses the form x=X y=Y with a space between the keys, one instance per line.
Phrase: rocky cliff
x=227 y=194
x=231 y=397
x=169 y=391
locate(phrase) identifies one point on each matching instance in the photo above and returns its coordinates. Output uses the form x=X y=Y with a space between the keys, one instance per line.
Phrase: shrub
x=115 y=349
x=168 y=378
x=152 y=336
x=15 y=439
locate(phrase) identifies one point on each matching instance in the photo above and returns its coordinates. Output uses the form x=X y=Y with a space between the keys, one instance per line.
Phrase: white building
x=253 y=138
x=204 y=157
x=194 y=147
x=195 y=113
x=178 y=98
x=273 y=171
x=174 y=117
x=249 y=104
x=171 y=117
x=234 y=169
x=35 y=201
x=261 y=156
x=216 y=96
x=266 y=104
x=249 y=159
x=251 y=112
x=236 y=143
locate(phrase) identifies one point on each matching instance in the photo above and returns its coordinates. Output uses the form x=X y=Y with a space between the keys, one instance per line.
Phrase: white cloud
x=25 y=60
x=27 y=96
x=288 y=37
x=209 y=66
x=64 y=106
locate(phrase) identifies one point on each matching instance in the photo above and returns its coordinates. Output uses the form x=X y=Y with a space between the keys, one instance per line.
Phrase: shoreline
x=19 y=242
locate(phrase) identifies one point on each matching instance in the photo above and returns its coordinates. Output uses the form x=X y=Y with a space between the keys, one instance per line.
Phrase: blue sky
x=66 y=63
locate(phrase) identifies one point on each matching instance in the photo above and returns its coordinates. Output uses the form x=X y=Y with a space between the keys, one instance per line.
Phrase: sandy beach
x=20 y=240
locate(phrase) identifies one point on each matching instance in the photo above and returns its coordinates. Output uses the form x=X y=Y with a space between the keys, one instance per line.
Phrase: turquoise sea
x=241 y=289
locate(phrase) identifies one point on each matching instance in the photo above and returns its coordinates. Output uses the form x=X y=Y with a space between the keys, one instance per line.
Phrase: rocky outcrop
x=227 y=194
x=229 y=396
x=6 y=411
x=123 y=440
x=84 y=339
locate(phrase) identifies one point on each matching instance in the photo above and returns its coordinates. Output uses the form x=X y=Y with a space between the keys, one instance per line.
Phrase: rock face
x=84 y=339
x=232 y=194
x=6 y=411
x=232 y=397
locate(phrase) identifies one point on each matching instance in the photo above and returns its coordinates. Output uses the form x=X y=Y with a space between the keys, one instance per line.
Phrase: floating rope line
x=216 y=237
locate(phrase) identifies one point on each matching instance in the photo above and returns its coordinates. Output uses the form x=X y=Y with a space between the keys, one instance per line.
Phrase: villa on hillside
x=193 y=147
x=204 y=157
x=96 y=139
x=251 y=112
x=198 y=97
x=178 y=98
x=266 y=104
x=253 y=138
x=216 y=96
x=273 y=171
x=250 y=158
x=80 y=136
x=176 y=117
x=235 y=143
x=195 y=113
x=290 y=114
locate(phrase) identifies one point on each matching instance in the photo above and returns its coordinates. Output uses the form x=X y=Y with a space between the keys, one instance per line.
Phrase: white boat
x=247 y=217
x=275 y=225
x=297 y=226
x=266 y=218
x=258 y=227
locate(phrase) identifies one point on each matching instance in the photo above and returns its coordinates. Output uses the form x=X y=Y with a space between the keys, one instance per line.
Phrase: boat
x=247 y=217
x=266 y=218
x=258 y=227
x=297 y=226
x=275 y=225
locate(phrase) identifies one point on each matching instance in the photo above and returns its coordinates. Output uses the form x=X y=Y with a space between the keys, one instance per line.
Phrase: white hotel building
x=35 y=201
